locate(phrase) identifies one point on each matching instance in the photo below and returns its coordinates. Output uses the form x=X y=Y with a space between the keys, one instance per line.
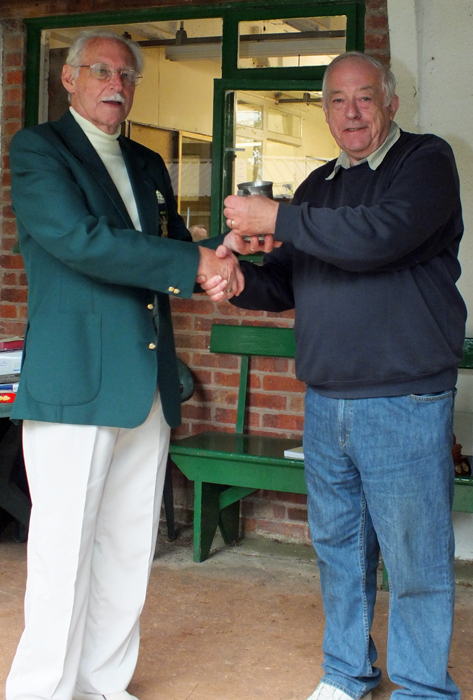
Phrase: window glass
x=284 y=43
x=288 y=140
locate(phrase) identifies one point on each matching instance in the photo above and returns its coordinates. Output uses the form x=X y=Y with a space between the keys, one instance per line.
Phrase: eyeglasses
x=102 y=71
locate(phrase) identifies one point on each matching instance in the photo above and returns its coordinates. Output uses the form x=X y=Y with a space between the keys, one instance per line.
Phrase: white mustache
x=116 y=97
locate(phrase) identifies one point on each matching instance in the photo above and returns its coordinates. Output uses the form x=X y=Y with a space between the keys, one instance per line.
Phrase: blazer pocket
x=64 y=358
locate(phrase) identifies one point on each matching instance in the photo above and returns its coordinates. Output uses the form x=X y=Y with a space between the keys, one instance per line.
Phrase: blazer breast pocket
x=63 y=360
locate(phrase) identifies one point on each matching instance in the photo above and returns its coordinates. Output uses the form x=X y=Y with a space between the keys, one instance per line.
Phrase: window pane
x=284 y=43
x=290 y=140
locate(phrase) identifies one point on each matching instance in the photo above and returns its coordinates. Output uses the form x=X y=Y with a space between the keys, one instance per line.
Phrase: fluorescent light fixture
x=259 y=49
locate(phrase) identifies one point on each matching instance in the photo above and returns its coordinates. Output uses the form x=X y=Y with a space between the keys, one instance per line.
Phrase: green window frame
x=233 y=78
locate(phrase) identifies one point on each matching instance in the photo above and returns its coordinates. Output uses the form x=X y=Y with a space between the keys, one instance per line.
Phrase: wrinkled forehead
x=354 y=75
x=109 y=51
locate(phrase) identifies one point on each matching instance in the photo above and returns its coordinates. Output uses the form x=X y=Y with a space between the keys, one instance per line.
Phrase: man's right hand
x=227 y=278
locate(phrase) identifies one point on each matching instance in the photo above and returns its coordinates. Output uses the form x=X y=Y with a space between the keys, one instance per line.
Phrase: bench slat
x=253 y=340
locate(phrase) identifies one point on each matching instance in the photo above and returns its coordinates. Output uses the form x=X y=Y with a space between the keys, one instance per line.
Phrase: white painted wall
x=430 y=49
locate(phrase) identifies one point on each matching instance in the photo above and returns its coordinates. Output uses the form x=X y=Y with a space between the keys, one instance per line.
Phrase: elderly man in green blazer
x=104 y=249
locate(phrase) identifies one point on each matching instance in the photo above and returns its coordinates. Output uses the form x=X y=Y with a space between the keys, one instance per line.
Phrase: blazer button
x=150 y=307
x=170 y=289
x=176 y=291
x=152 y=346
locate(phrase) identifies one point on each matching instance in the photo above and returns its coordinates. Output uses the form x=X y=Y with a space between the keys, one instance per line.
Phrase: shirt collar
x=91 y=129
x=375 y=159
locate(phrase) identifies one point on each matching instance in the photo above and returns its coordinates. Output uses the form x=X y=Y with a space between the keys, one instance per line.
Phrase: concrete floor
x=245 y=624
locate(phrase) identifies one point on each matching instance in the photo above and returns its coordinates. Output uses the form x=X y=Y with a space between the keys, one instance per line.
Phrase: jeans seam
x=363 y=580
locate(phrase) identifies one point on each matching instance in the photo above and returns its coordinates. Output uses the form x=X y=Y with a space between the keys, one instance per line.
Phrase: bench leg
x=229 y=523
x=206 y=517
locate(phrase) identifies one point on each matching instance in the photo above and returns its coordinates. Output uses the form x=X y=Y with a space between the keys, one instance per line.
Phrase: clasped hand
x=252 y=221
x=219 y=273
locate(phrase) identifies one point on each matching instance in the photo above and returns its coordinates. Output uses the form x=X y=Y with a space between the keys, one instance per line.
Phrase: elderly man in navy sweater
x=367 y=256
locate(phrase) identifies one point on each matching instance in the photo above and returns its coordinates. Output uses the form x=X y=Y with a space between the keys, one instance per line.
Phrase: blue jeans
x=380 y=470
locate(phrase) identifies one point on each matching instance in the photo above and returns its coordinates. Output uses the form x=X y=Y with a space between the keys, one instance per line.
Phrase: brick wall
x=276 y=397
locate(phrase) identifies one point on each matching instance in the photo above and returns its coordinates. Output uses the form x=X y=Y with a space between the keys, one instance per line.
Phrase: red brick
x=225 y=415
x=215 y=360
x=226 y=379
x=12 y=111
x=203 y=323
x=14 y=295
x=299 y=514
x=6 y=179
x=376 y=6
x=12 y=328
x=14 y=59
x=8 y=243
x=221 y=398
x=14 y=95
x=229 y=310
x=201 y=376
x=376 y=41
x=13 y=42
x=269 y=364
x=11 y=128
x=283 y=422
x=253 y=420
x=11 y=262
x=9 y=279
x=296 y=404
x=376 y=22
x=181 y=322
x=191 y=340
x=248 y=526
x=8 y=311
x=267 y=401
x=255 y=381
x=13 y=77
x=196 y=412
x=273 y=383
x=279 y=511
x=192 y=306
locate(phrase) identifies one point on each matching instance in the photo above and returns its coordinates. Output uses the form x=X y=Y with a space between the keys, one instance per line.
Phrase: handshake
x=252 y=221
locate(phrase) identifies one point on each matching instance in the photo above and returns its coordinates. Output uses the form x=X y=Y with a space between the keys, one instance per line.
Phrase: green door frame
x=233 y=78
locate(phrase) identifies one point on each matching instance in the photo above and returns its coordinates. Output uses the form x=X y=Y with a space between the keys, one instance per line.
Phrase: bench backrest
x=271 y=342
x=246 y=341
x=467 y=359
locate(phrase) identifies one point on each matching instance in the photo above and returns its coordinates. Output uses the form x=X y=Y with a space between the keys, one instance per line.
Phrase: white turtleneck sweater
x=109 y=150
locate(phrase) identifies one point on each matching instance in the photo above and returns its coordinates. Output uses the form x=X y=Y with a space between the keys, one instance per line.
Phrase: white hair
x=388 y=81
x=74 y=57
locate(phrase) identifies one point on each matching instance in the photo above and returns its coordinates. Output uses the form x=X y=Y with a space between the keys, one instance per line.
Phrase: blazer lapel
x=77 y=143
x=144 y=188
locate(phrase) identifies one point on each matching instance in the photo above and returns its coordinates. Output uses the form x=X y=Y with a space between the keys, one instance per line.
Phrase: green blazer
x=96 y=345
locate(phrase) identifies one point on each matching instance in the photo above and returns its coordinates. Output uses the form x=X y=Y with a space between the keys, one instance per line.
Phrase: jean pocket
x=436 y=396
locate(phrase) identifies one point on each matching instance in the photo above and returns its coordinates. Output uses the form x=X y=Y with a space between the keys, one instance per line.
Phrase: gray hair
x=74 y=57
x=388 y=81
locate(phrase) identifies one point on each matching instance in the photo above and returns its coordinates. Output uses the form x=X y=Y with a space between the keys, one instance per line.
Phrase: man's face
x=104 y=103
x=355 y=110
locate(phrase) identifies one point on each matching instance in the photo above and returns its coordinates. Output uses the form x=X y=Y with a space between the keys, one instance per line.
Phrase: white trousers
x=96 y=494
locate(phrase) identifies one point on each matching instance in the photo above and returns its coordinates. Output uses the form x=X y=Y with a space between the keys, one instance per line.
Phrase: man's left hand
x=250 y=216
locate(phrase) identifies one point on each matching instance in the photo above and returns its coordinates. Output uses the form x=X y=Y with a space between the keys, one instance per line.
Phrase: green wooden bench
x=226 y=467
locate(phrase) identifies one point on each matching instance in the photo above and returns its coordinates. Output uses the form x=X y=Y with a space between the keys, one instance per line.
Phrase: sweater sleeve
x=405 y=226
x=268 y=287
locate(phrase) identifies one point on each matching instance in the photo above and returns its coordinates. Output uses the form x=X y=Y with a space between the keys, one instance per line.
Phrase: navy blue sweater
x=369 y=263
